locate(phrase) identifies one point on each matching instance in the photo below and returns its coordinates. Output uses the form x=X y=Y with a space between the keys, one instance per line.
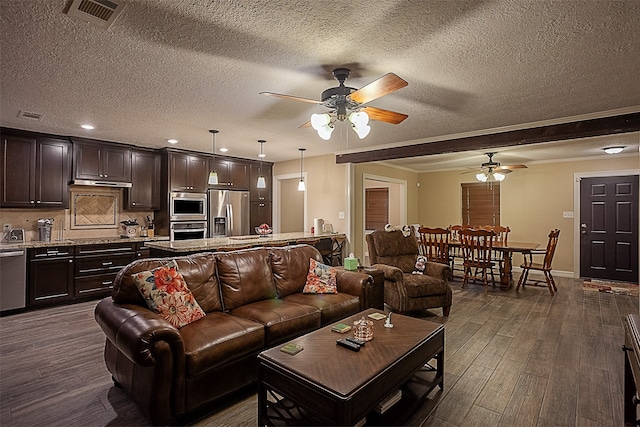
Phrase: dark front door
x=609 y=228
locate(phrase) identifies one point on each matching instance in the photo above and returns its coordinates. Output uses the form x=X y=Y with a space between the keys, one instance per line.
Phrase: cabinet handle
x=108 y=282
x=106 y=176
x=32 y=202
x=101 y=176
x=70 y=261
x=107 y=263
x=133 y=204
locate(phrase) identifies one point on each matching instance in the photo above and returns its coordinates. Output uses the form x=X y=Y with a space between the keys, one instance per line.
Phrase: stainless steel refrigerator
x=228 y=213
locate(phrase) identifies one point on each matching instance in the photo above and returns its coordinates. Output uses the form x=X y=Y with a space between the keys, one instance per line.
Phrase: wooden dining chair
x=455 y=251
x=501 y=237
x=544 y=266
x=476 y=248
x=434 y=244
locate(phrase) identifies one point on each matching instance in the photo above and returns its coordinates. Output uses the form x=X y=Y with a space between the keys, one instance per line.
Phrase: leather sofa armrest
x=136 y=330
x=391 y=273
x=438 y=270
x=353 y=283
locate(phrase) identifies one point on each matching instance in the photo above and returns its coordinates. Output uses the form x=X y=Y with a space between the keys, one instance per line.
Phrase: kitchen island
x=169 y=248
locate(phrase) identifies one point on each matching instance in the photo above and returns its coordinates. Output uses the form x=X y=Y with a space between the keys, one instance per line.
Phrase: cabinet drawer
x=92 y=265
x=100 y=284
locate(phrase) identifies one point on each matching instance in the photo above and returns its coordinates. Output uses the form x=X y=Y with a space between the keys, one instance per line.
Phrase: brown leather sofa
x=253 y=300
x=396 y=256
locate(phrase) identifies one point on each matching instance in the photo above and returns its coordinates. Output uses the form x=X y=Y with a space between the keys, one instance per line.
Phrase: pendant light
x=213 y=176
x=261 y=181
x=301 y=185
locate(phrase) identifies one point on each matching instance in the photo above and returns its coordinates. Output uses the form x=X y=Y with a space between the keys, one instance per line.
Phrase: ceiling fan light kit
x=349 y=103
x=492 y=171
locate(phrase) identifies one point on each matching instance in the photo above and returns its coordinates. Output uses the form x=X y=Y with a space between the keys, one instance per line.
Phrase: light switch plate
x=567 y=214
x=340 y=215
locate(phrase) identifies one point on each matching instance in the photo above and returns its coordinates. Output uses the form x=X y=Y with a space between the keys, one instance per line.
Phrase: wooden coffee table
x=326 y=384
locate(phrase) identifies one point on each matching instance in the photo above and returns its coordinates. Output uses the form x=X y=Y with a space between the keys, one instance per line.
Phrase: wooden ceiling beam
x=580 y=129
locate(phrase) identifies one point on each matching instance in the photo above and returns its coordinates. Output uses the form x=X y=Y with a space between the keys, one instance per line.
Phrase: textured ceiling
x=176 y=68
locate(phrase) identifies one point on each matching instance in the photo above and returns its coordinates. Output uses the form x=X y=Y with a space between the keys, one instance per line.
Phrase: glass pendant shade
x=213 y=178
x=498 y=176
x=261 y=182
x=301 y=185
x=319 y=120
x=481 y=177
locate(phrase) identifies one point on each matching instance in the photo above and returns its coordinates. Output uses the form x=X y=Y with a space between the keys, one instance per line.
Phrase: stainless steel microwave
x=188 y=206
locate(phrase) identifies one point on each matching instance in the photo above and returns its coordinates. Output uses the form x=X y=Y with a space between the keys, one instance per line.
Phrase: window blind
x=481 y=203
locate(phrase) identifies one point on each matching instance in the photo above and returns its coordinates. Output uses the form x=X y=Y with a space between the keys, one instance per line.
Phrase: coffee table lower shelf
x=284 y=411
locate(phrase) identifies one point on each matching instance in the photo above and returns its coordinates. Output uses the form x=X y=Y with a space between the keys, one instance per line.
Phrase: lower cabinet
x=96 y=267
x=50 y=275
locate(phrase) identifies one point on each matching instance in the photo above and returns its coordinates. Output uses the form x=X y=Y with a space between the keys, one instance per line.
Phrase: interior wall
x=292 y=218
x=533 y=201
x=385 y=171
x=327 y=189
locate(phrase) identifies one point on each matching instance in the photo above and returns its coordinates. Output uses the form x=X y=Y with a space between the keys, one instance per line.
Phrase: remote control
x=348 y=344
x=356 y=341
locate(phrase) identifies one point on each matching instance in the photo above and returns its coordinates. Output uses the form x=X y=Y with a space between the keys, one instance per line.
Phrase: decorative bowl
x=263 y=231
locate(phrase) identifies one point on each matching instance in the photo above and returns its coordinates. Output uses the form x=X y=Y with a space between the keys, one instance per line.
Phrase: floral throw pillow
x=321 y=279
x=166 y=293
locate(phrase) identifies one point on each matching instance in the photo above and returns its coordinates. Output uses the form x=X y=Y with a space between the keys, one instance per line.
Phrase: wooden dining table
x=507 y=249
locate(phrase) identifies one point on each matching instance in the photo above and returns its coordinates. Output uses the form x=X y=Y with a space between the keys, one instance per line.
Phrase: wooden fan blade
x=295 y=98
x=510 y=167
x=385 y=115
x=377 y=88
x=305 y=125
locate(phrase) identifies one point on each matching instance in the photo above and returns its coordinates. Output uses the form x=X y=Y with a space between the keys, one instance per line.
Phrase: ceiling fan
x=349 y=103
x=491 y=170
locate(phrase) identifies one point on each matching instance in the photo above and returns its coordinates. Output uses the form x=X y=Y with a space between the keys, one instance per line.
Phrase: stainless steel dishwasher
x=13 y=278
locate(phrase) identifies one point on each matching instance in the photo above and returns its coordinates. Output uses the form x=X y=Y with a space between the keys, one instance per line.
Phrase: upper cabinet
x=35 y=171
x=96 y=161
x=188 y=172
x=144 y=193
x=260 y=194
x=231 y=173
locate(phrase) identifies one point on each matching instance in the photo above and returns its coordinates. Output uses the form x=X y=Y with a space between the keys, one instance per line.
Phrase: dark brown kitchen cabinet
x=188 y=172
x=101 y=161
x=50 y=275
x=36 y=171
x=96 y=267
x=260 y=194
x=260 y=213
x=231 y=173
x=144 y=193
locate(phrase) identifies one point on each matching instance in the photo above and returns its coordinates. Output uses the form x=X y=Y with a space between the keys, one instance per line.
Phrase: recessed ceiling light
x=262 y=155
x=613 y=150
x=172 y=141
x=224 y=149
x=87 y=127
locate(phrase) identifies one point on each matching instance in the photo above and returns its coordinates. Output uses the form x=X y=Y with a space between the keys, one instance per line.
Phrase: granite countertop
x=79 y=241
x=211 y=244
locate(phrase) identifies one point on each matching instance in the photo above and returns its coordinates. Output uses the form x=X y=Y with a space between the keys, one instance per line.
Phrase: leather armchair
x=396 y=255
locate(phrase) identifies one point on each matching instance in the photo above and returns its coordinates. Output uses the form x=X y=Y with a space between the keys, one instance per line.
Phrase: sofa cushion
x=219 y=338
x=166 y=292
x=198 y=270
x=418 y=285
x=282 y=319
x=290 y=267
x=245 y=277
x=333 y=307
x=394 y=244
x=321 y=279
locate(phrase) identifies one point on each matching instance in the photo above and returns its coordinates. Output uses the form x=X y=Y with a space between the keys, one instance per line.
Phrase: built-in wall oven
x=185 y=230
x=188 y=207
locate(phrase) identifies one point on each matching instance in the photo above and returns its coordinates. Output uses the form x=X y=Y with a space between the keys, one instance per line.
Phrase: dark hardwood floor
x=511 y=359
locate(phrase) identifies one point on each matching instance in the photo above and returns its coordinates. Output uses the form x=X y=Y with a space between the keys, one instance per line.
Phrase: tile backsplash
x=63 y=220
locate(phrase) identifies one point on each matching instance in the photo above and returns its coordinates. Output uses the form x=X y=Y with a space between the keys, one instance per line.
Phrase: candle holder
x=363 y=329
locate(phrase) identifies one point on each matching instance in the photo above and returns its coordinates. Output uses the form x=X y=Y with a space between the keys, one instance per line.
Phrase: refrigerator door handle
x=229 y=219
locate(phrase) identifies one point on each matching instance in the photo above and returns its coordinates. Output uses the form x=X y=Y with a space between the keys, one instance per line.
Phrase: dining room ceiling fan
x=350 y=103
x=493 y=170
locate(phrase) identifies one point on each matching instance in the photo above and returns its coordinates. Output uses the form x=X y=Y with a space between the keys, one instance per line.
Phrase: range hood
x=111 y=184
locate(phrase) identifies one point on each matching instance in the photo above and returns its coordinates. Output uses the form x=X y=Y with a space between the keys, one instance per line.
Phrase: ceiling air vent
x=100 y=13
x=30 y=115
